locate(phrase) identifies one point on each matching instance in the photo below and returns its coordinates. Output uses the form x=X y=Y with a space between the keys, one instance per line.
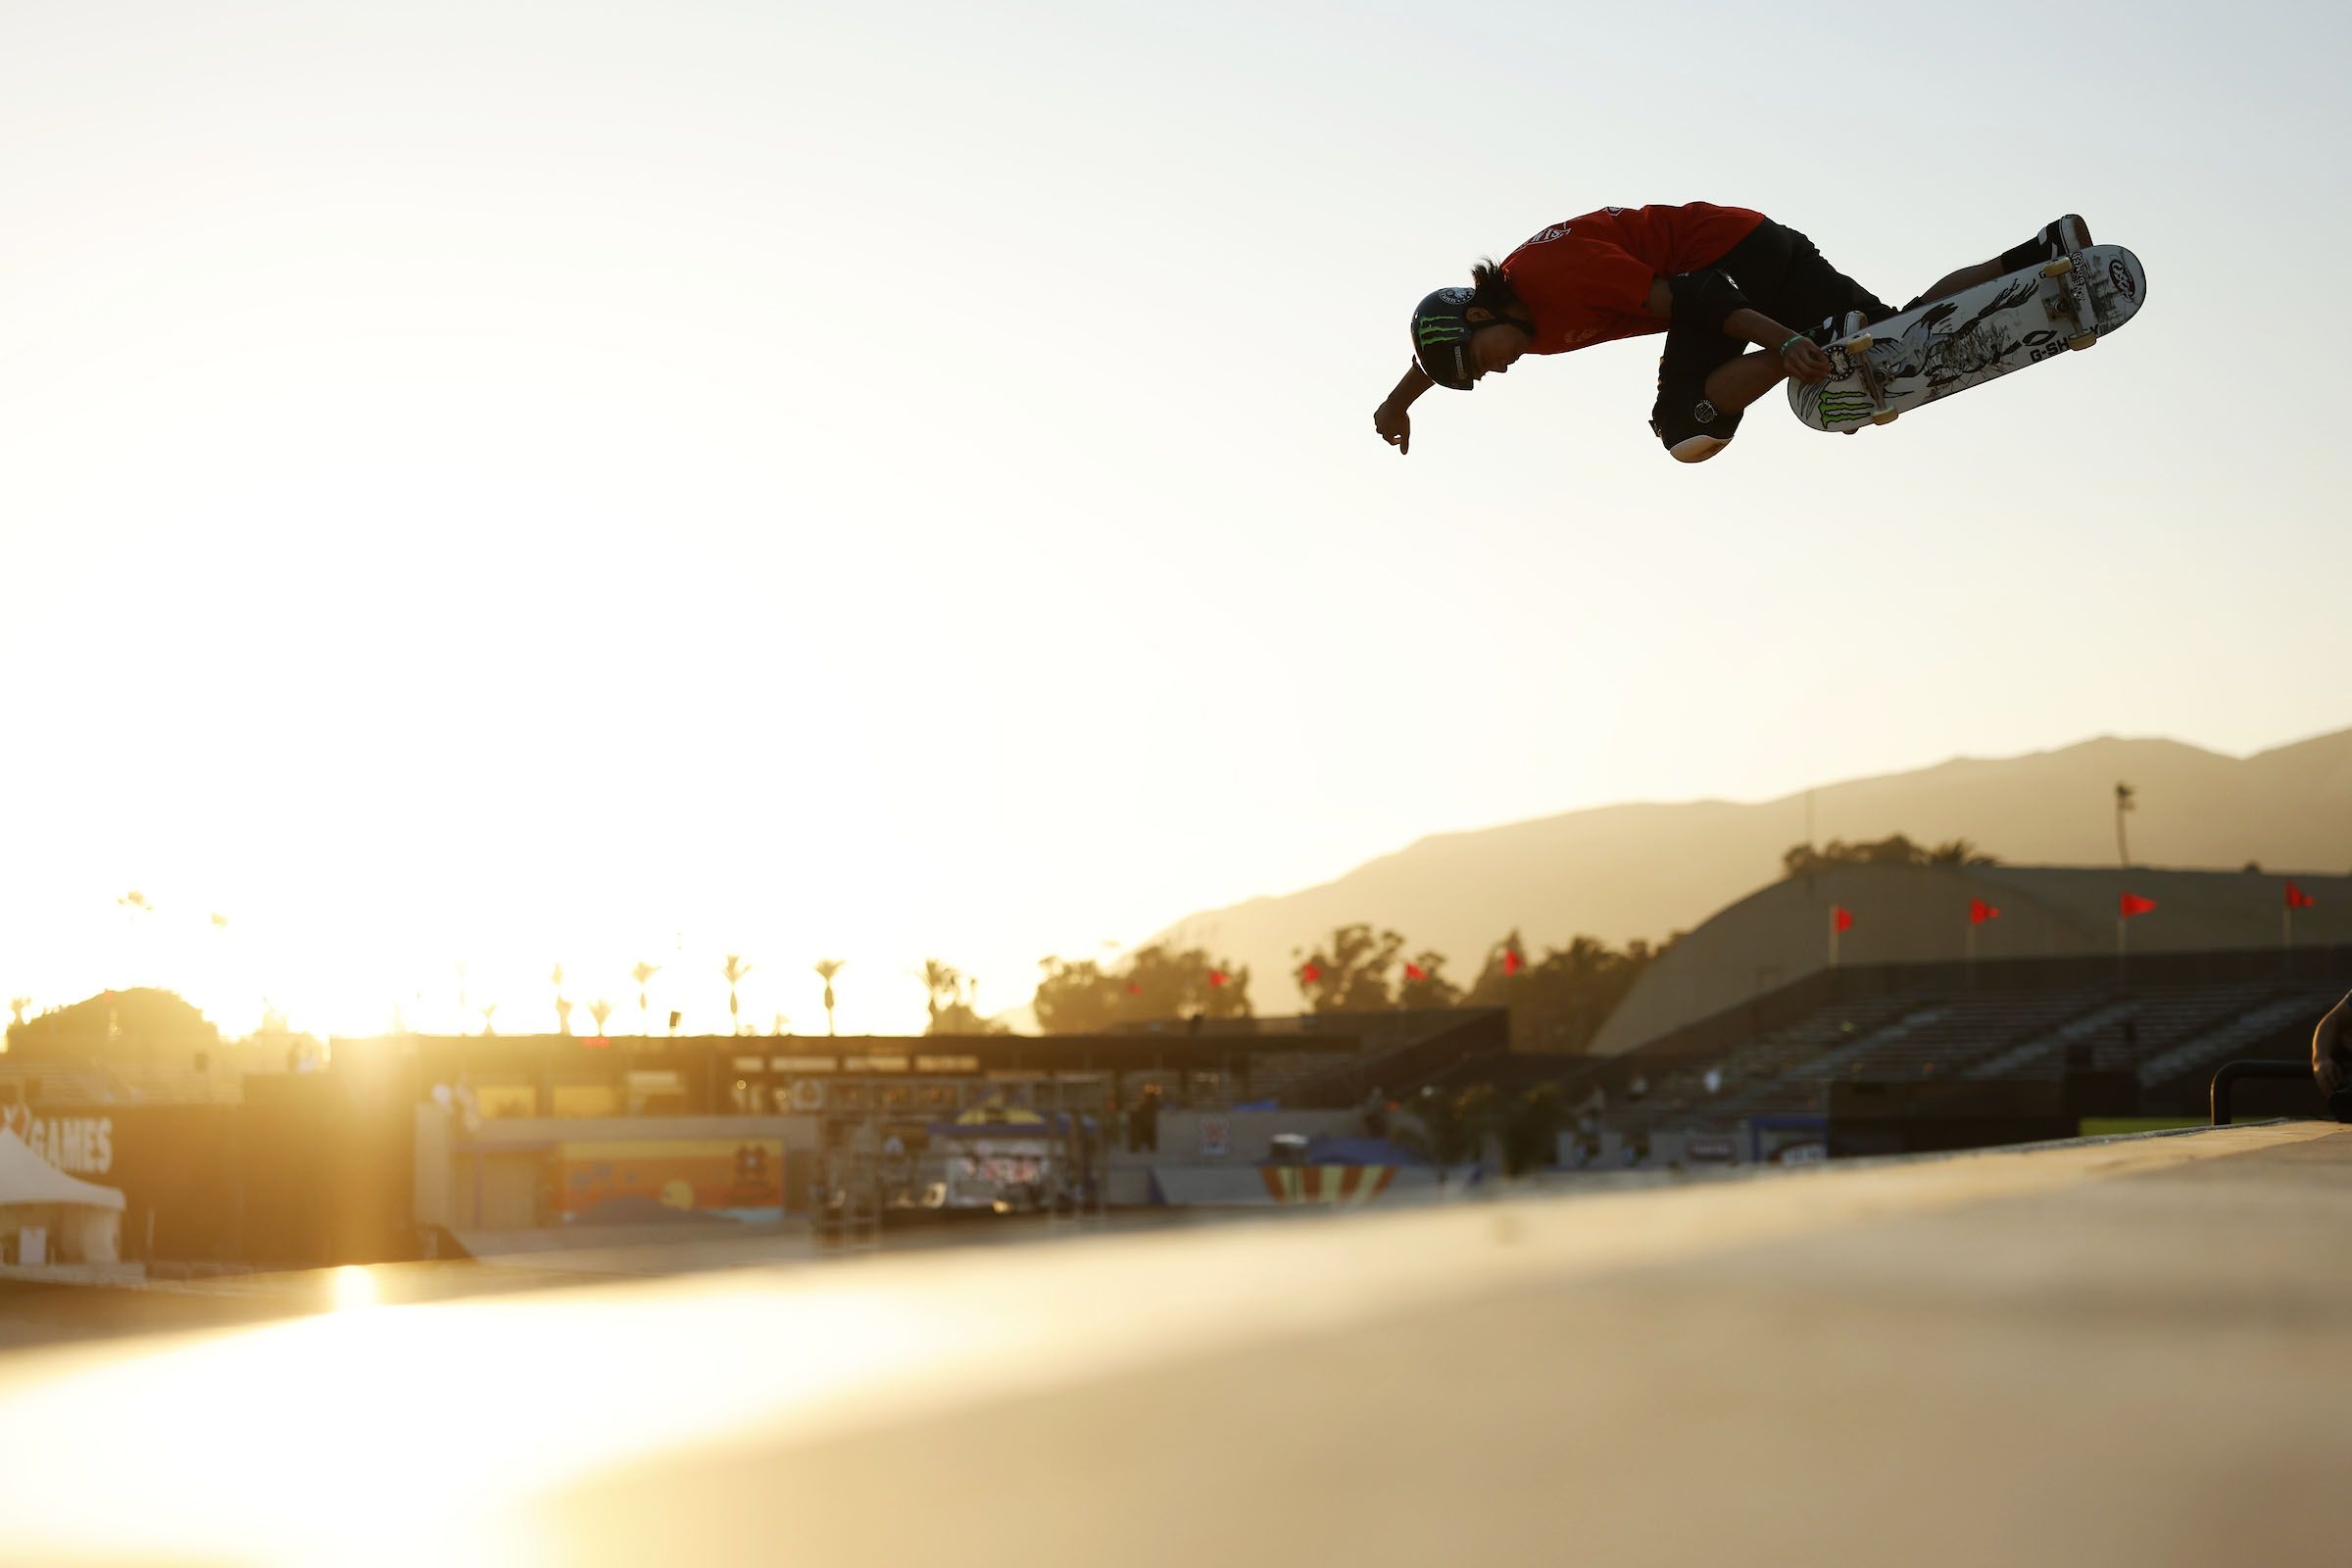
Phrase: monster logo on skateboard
x=1975 y=336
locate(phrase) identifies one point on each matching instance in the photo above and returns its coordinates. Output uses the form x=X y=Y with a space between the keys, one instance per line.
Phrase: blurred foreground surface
x=2137 y=1351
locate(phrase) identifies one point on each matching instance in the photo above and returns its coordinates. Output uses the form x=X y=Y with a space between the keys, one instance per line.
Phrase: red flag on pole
x=1512 y=964
x=1979 y=911
x=2133 y=903
x=2297 y=899
x=1842 y=918
x=1413 y=971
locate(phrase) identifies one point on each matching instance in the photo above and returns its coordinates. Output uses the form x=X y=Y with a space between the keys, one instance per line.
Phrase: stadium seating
x=2166 y=1034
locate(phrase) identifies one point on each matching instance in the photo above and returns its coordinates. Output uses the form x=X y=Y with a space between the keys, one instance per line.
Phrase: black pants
x=1783 y=277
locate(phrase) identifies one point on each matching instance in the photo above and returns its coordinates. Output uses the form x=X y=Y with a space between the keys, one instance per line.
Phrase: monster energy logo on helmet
x=1442 y=338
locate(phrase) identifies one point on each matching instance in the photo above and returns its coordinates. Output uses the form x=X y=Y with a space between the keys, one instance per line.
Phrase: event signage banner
x=78 y=1146
x=1215 y=1136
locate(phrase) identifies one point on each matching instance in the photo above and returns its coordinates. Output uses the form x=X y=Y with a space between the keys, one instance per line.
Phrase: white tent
x=84 y=1219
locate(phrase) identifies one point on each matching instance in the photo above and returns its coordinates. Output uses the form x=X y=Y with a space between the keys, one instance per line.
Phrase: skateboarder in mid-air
x=1745 y=302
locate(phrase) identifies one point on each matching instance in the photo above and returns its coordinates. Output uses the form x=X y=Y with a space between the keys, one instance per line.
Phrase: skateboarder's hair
x=1490 y=289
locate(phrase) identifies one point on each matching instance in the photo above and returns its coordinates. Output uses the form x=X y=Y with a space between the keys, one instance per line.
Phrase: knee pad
x=1708 y=298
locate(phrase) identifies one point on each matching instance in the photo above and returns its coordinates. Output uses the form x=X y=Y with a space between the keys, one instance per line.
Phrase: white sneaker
x=1838 y=328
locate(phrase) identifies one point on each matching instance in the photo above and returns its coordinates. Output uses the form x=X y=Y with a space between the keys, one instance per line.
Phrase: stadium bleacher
x=63 y=1082
x=2150 y=1040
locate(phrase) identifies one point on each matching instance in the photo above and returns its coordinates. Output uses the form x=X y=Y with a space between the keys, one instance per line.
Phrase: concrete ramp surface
x=2133 y=1351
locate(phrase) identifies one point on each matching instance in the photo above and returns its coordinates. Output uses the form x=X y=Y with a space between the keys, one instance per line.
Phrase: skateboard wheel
x=1885 y=415
x=2059 y=267
x=2082 y=341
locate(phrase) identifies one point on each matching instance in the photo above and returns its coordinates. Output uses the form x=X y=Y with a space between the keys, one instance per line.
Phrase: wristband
x=1794 y=337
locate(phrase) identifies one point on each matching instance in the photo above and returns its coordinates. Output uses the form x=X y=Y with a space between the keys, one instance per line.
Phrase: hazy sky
x=530 y=482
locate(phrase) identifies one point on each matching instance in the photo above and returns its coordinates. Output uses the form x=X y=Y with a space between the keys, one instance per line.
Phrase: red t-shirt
x=1587 y=281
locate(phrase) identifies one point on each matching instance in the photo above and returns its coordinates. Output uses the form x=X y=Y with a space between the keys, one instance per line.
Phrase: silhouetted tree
x=826 y=969
x=642 y=973
x=600 y=1009
x=1351 y=973
x=137 y=1027
x=1429 y=987
x=1164 y=982
x=1803 y=859
x=1506 y=961
x=1559 y=1002
x=941 y=984
x=1081 y=997
x=1075 y=997
x=954 y=1003
x=1960 y=851
x=735 y=970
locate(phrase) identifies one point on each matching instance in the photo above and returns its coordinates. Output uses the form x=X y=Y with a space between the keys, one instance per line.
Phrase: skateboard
x=1976 y=335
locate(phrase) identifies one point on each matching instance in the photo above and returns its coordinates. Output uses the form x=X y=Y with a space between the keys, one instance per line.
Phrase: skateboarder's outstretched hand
x=1805 y=362
x=1396 y=426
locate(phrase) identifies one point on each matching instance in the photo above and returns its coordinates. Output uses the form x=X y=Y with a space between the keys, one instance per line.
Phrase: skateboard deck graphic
x=1977 y=335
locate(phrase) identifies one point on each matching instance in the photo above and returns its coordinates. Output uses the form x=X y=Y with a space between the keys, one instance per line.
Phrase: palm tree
x=642 y=973
x=734 y=971
x=490 y=1018
x=2123 y=804
x=16 y=1008
x=1960 y=851
x=938 y=979
x=600 y=1009
x=562 y=1007
x=826 y=969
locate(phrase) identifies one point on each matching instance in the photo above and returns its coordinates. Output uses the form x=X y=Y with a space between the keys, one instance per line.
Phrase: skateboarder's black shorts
x=1783 y=277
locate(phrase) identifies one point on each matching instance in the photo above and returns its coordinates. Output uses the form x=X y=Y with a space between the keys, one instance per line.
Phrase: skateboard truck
x=1852 y=357
x=2072 y=299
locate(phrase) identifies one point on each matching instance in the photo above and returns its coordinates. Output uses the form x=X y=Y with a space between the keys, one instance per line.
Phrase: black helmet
x=1442 y=338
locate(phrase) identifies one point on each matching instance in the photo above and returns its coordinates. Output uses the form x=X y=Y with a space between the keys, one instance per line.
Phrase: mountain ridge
x=1645 y=868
